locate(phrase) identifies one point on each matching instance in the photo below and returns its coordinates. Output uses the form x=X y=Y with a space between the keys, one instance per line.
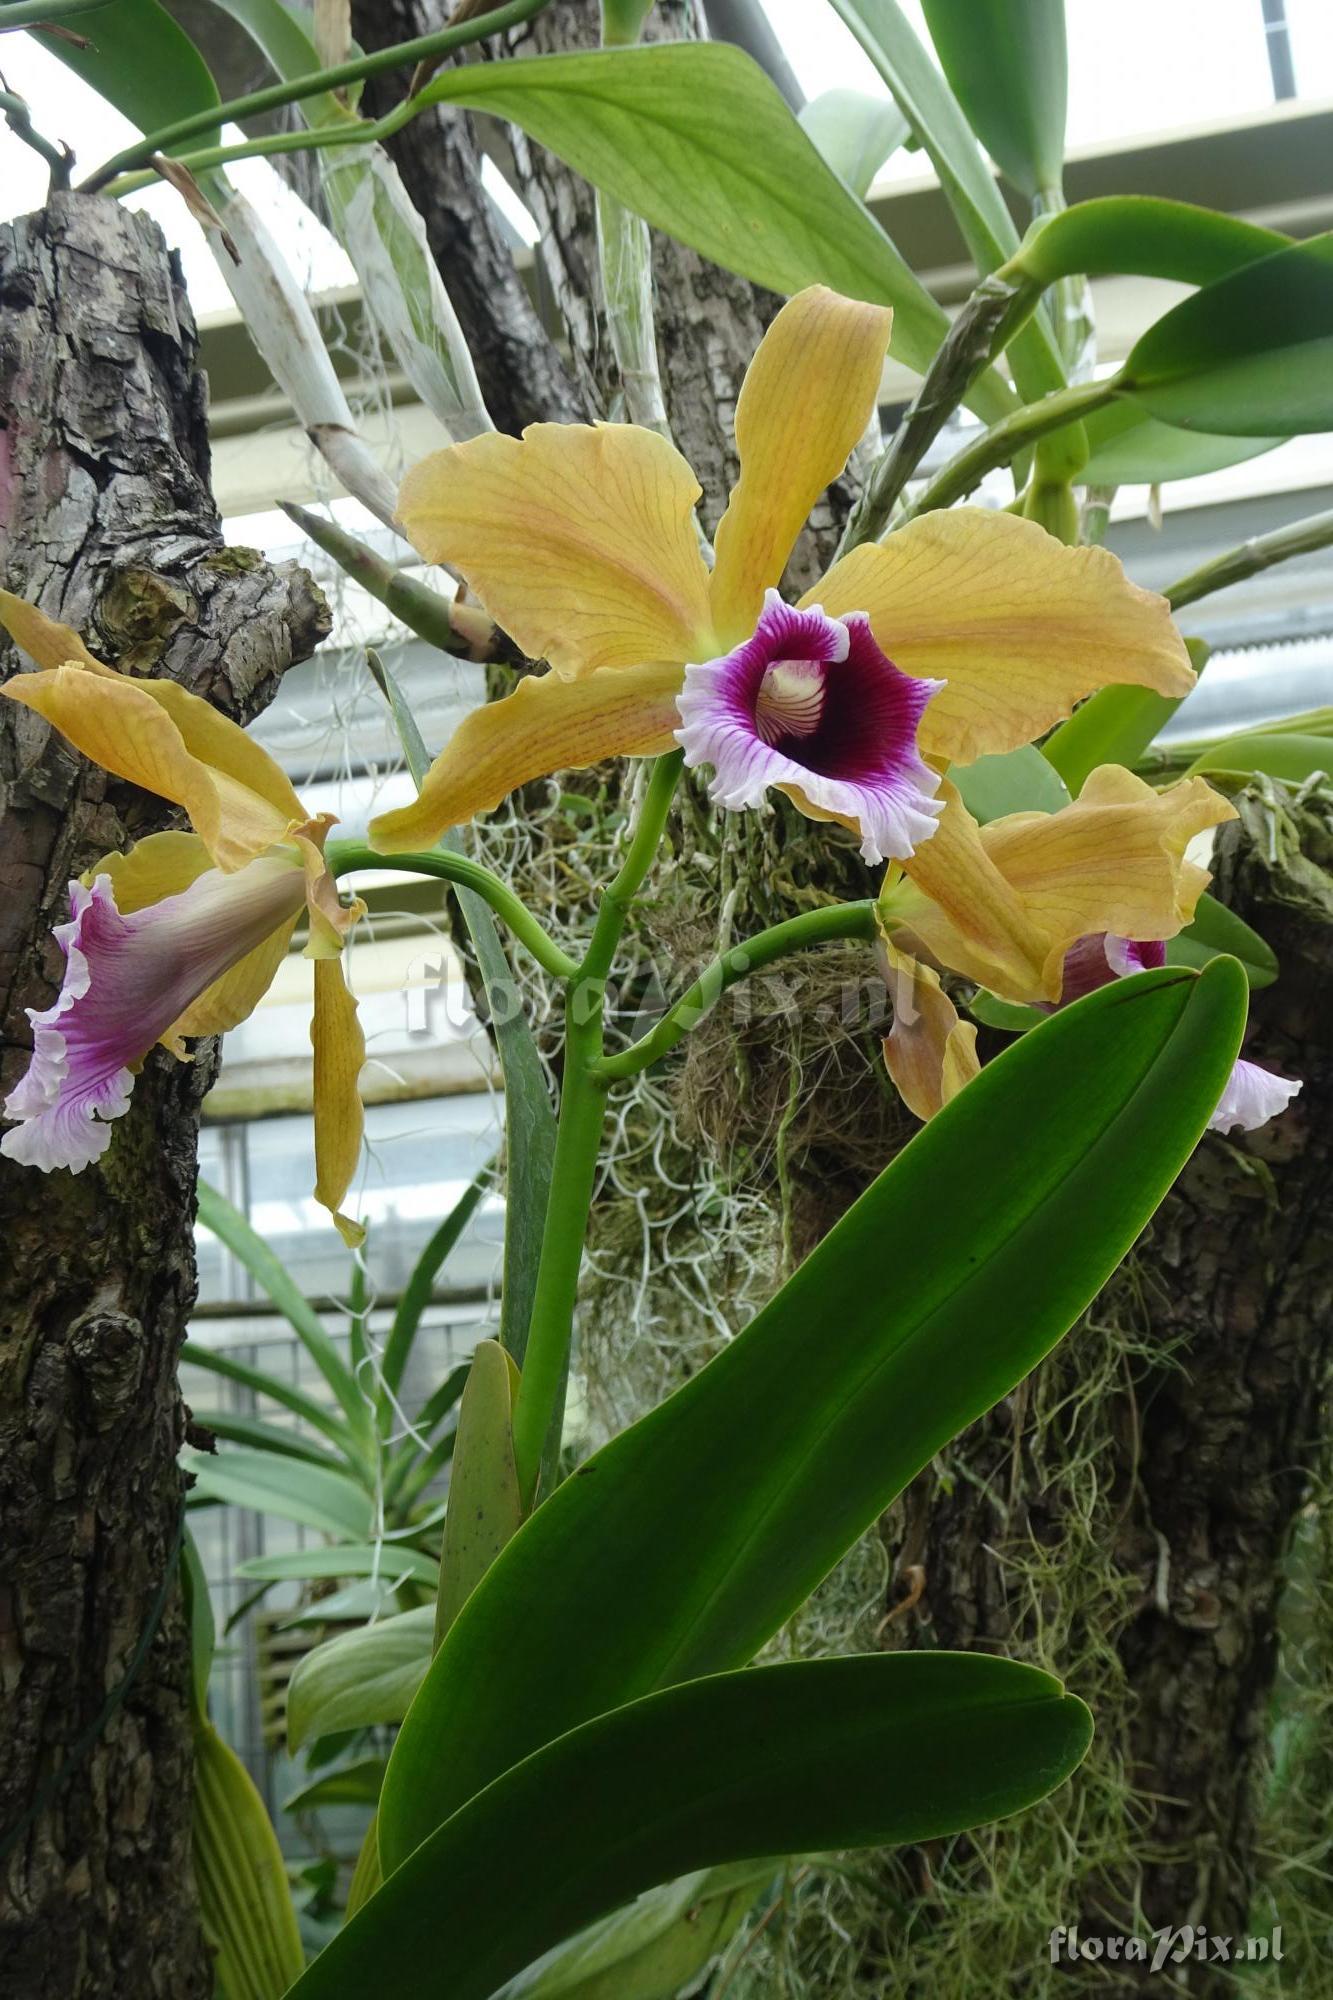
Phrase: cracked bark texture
x=107 y=521
x=1214 y=1450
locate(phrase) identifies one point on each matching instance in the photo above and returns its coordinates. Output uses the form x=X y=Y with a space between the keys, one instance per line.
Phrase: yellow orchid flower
x=181 y=936
x=963 y=634
x=1044 y=908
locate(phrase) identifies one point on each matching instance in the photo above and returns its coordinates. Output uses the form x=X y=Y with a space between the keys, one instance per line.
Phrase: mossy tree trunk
x=107 y=521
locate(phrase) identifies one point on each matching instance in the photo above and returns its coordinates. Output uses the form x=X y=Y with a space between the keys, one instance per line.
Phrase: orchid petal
x=930 y=1052
x=168 y=741
x=1018 y=626
x=545 y=725
x=1253 y=1095
x=340 y=1052
x=1003 y=903
x=809 y=706
x=810 y=391
x=128 y=979
x=42 y=638
x=579 y=540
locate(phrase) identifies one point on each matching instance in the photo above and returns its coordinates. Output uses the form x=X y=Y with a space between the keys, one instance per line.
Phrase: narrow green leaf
x=350 y=1785
x=1018 y=781
x=237 y=1428
x=1250 y=355
x=791 y=1759
x=485 y=1507
x=855 y=133
x=144 y=63
x=315 y=1495
x=686 y=1542
x=360 y=1678
x=218 y=1361
x=417 y=1292
x=286 y=41
x=388 y=1559
x=1216 y=930
x=694 y=137
x=271 y=1275
x=1007 y=66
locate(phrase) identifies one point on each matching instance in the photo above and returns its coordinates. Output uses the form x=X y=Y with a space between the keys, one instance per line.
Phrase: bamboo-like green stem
x=1003 y=441
x=454 y=628
x=36 y=13
x=346 y=856
x=442 y=43
x=1298 y=538
x=837 y=921
x=539 y=1404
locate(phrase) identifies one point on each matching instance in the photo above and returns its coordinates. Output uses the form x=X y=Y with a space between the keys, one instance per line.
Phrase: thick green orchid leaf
x=694 y=137
x=654 y=1947
x=387 y=1559
x=855 y=133
x=1250 y=355
x=1126 y=447
x=791 y=1759
x=144 y=63
x=686 y=1543
x=1007 y=65
x=1016 y=781
x=314 y=1495
x=1143 y=236
x=1216 y=931
x=360 y=1678
x=993 y=1012
x=1284 y=754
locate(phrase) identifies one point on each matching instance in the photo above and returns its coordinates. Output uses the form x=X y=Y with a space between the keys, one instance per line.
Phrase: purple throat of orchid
x=1253 y=1094
x=810 y=704
x=127 y=980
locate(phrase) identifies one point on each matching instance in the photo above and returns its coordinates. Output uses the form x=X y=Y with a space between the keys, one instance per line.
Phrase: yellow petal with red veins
x=931 y=1053
x=1003 y=903
x=340 y=1051
x=545 y=725
x=156 y=735
x=806 y=400
x=579 y=539
x=1018 y=626
x=42 y=638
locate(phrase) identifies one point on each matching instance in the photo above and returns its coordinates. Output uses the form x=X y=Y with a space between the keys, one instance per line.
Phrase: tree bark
x=106 y=520
x=1194 y=1469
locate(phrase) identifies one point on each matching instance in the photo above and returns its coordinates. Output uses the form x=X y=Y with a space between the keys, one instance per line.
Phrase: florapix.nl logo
x=1172 y=1945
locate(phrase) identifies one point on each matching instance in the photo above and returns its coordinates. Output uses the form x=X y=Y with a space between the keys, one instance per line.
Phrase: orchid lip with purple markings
x=128 y=978
x=810 y=704
x=1253 y=1094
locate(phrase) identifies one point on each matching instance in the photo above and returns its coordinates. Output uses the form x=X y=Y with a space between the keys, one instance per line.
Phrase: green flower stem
x=317 y=139
x=442 y=43
x=345 y=856
x=539 y=1406
x=839 y=920
x=1298 y=538
x=1003 y=441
